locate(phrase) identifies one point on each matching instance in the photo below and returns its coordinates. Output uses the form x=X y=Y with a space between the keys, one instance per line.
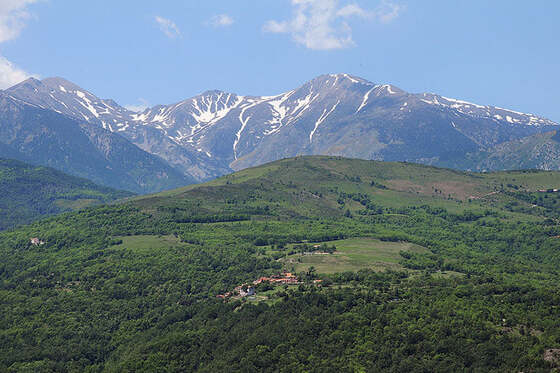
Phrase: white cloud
x=10 y=74
x=139 y=107
x=13 y=15
x=221 y=20
x=352 y=10
x=388 y=11
x=168 y=27
x=323 y=24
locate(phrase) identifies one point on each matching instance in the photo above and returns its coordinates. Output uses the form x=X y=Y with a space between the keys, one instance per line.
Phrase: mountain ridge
x=37 y=135
x=217 y=132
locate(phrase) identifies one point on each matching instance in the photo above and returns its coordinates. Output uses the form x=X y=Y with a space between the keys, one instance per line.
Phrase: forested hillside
x=363 y=266
x=29 y=192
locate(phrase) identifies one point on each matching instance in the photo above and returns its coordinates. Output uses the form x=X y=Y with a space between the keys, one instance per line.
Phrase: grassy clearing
x=145 y=242
x=354 y=254
x=448 y=274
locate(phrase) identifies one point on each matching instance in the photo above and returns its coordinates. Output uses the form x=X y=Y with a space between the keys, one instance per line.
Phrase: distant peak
x=213 y=92
x=216 y=95
x=340 y=77
x=55 y=82
x=29 y=82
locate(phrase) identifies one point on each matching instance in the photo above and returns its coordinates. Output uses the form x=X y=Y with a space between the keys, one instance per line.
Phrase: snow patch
x=140 y=117
x=279 y=112
x=388 y=88
x=161 y=116
x=351 y=79
x=460 y=102
x=321 y=120
x=210 y=111
x=302 y=105
x=89 y=106
x=511 y=111
x=365 y=99
x=243 y=124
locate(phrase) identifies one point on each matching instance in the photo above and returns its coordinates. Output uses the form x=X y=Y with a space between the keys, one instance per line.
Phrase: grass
x=148 y=242
x=309 y=186
x=354 y=254
x=448 y=274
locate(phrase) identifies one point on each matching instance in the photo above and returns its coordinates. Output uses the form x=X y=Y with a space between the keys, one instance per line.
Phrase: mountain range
x=216 y=132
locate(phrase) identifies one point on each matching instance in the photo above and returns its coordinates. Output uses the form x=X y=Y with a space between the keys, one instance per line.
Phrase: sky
x=144 y=53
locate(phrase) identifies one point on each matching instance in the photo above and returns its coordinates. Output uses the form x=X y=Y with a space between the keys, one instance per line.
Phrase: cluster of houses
x=246 y=290
x=239 y=291
x=284 y=278
x=549 y=190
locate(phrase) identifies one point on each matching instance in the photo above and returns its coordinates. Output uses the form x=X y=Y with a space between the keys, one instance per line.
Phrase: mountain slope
x=540 y=151
x=66 y=98
x=41 y=136
x=338 y=114
x=30 y=192
x=133 y=286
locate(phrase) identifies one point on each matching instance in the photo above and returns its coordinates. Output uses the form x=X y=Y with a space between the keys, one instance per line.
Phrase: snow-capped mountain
x=337 y=114
x=42 y=136
x=66 y=98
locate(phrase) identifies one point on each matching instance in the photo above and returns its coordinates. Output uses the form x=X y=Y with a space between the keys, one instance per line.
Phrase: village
x=248 y=290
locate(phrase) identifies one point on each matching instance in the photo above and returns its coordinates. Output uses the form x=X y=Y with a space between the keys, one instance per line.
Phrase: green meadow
x=354 y=254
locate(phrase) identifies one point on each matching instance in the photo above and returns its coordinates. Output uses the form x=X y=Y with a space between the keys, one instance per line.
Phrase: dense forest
x=400 y=268
x=29 y=192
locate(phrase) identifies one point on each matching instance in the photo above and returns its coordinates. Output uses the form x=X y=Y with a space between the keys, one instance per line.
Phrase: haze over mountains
x=55 y=122
x=28 y=193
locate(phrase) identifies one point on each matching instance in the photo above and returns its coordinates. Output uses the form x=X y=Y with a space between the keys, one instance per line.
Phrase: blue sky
x=503 y=53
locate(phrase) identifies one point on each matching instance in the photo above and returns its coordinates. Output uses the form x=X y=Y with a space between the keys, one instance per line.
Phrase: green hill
x=421 y=269
x=29 y=192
